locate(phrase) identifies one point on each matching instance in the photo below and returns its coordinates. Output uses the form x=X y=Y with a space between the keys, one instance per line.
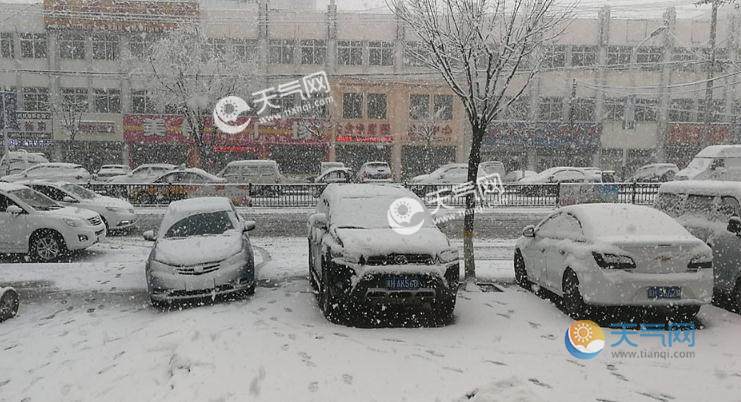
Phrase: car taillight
x=700 y=262
x=614 y=261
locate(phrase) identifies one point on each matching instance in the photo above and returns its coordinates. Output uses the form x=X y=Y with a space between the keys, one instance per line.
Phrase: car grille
x=400 y=259
x=200 y=292
x=95 y=221
x=198 y=269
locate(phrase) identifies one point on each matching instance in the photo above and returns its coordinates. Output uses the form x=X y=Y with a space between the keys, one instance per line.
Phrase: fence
x=305 y=195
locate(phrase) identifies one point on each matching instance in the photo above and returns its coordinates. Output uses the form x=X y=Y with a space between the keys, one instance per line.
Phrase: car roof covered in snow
x=161 y=165
x=60 y=165
x=337 y=191
x=624 y=220
x=702 y=187
x=11 y=186
x=253 y=162
x=193 y=206
x=720 y=151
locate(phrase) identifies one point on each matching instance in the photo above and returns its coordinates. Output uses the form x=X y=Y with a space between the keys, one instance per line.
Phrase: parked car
x=143 y=174
x=457 y=173
x=70 y=172
x=517 y=175
x=616 y=255
x=9 y=303
x=356 y=259
x=106 y=172
x=201 y=249
x=189 y=183
x=374 y=172
x=117 y=214
x=334 y=175
x=556 y=175
x=655 y=172
x=716 y=162
x=325 y=166
x=710 y=210
x=34 y=224
x=17 y=161
x=263 y=175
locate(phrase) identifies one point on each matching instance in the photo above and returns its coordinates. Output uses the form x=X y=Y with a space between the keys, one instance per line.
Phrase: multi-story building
x=613 y=92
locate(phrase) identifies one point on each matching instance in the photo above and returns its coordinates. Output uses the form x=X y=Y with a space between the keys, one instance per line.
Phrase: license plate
x=402 y=283
x=665 y=292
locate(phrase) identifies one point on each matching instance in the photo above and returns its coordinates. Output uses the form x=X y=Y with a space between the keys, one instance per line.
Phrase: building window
x=615 y=109
x=414 y=54
x=443 y=107
x=6 y=45
x=649 y=57
x=554 y=57
x=215 y=48
x=105 y=46
x=618 y=57
x=645 y=109
x=33 y=45
x=582 y=56
x=721 y=59
x=36 y=99
x=551 y=109
x=352 y=105
x=717 y=109
x=681 y=110
x=419 y=107
x=582 y=109
x=517 y=110
x=71 y=46
x=380 y=53
x=76 y=97
x=377 y=106
x=245 y=50
x=313 y=51
x=107 y=100
x=684 y=59
x=281 y=51
x=141 y=45
x=141 y=102
x=350 y=52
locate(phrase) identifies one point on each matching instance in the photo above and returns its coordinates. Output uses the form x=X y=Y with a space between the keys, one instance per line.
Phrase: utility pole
x=710 y=70
x=5 y=123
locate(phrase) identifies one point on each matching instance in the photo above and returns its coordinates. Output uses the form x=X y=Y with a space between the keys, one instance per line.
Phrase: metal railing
x=304 y=195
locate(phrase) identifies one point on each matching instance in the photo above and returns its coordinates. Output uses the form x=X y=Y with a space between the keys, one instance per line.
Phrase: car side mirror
x=249 y=226
x=319 y=221
x=529 y=231
x=734 y=225
x=14 y=210
x=69 y=199
x=149 y=235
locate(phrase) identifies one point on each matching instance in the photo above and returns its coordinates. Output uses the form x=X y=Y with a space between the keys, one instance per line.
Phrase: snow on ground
x=85 y=331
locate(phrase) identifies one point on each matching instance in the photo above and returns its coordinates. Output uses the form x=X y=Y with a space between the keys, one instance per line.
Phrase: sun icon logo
x=584 y=339
x=400 y=214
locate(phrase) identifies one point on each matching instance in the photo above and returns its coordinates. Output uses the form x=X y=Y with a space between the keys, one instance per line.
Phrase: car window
x=728 y=207
x=561 y=226
x=267 y=171
x=191 y=178
x=50 y=192
x=35 y=199
x=568 y=175
x=669 y=203
x=79 y=191
x=699 y=205
x=211 y=223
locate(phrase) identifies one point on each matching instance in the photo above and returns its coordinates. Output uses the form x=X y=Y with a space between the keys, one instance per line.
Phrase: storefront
x=685 y=140
x=359 y=142
x=34 y=133
x=428 y=146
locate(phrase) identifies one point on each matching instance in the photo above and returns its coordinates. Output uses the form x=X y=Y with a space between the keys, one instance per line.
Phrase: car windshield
x=79 y=191
x=699 y=164
x=370 y=213
x=35 y=199
x=204 y=224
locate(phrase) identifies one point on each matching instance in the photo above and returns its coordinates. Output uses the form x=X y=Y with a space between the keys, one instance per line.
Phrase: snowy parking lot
x=86 y=331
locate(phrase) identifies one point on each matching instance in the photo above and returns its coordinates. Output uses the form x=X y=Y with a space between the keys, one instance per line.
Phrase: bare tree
x=69 y=112
x=481 y=48
x=191 y=73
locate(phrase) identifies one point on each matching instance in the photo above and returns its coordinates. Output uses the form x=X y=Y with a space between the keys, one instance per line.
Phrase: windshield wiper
x=350 y=227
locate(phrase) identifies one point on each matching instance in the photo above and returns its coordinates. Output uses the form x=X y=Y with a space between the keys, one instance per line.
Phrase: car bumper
x=84 y=237
x=169 y=285
x=121 y=220
x=621 y=288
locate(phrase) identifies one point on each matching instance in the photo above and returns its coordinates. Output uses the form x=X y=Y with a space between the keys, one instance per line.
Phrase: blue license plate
x=402 y=283
x=665 y=292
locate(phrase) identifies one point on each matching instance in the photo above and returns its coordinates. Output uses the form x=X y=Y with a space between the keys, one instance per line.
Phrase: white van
x=17 y=161
x=716 y=162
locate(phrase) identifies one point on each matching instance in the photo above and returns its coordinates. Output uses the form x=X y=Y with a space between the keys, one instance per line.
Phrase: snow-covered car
x=201 y=249
x=34 y=224
x=333 y=175
x=9 y=303
x=325 y=166
x=517 y=175
x=710 y=211
x=264 y=175
x=457 y=173
x=716 y=162
x=143 y=174
x=117 y=214
x=616 y=255
x=17 y=161
x=189 y=183
x=655 y=172
x=106 y=172
x=357 y=259
x=374 y=172
x=556 y=175
x=70 y=172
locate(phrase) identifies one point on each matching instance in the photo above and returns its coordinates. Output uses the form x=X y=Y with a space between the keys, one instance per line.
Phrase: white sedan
x=615 y=255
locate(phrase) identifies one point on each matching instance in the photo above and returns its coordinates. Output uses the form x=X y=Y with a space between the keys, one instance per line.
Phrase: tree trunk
x=474 y=160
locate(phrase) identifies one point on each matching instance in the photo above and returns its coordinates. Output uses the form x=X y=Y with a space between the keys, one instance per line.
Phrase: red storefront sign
x=693 y=133
x=119 y=15
x=364 y=132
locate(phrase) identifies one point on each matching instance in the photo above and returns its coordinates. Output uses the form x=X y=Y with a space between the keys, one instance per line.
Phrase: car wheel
x=9 y=302
x=573 y=302
x=312 y=282
x=737 y=296
x=521 y=272
x=684 y=313
x=443 y=310
x=47 y=246
x=329 y=303
x=159 y=304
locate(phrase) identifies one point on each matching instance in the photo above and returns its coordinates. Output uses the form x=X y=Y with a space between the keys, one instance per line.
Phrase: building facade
x=615 y=93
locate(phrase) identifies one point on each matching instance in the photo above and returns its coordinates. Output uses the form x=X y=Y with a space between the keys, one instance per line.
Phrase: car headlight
x=614 y=261
x=702 y=261
x=115 y=209
x=75 y=223
x=448 y=256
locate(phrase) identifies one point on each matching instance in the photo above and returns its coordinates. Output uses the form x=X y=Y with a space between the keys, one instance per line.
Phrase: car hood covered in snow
x=106 y=201
x=71 y=212
x=378 y=242
x=198 y=249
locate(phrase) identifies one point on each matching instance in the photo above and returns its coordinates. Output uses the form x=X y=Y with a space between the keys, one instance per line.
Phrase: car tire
x=736 y=297
x=9 y=302
x=328 y=302
x=312 y=282
x=573 y=302
x=47 y=246
x=443 y=309
x=159 y=304
x=521 y=271
x=684 y=313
